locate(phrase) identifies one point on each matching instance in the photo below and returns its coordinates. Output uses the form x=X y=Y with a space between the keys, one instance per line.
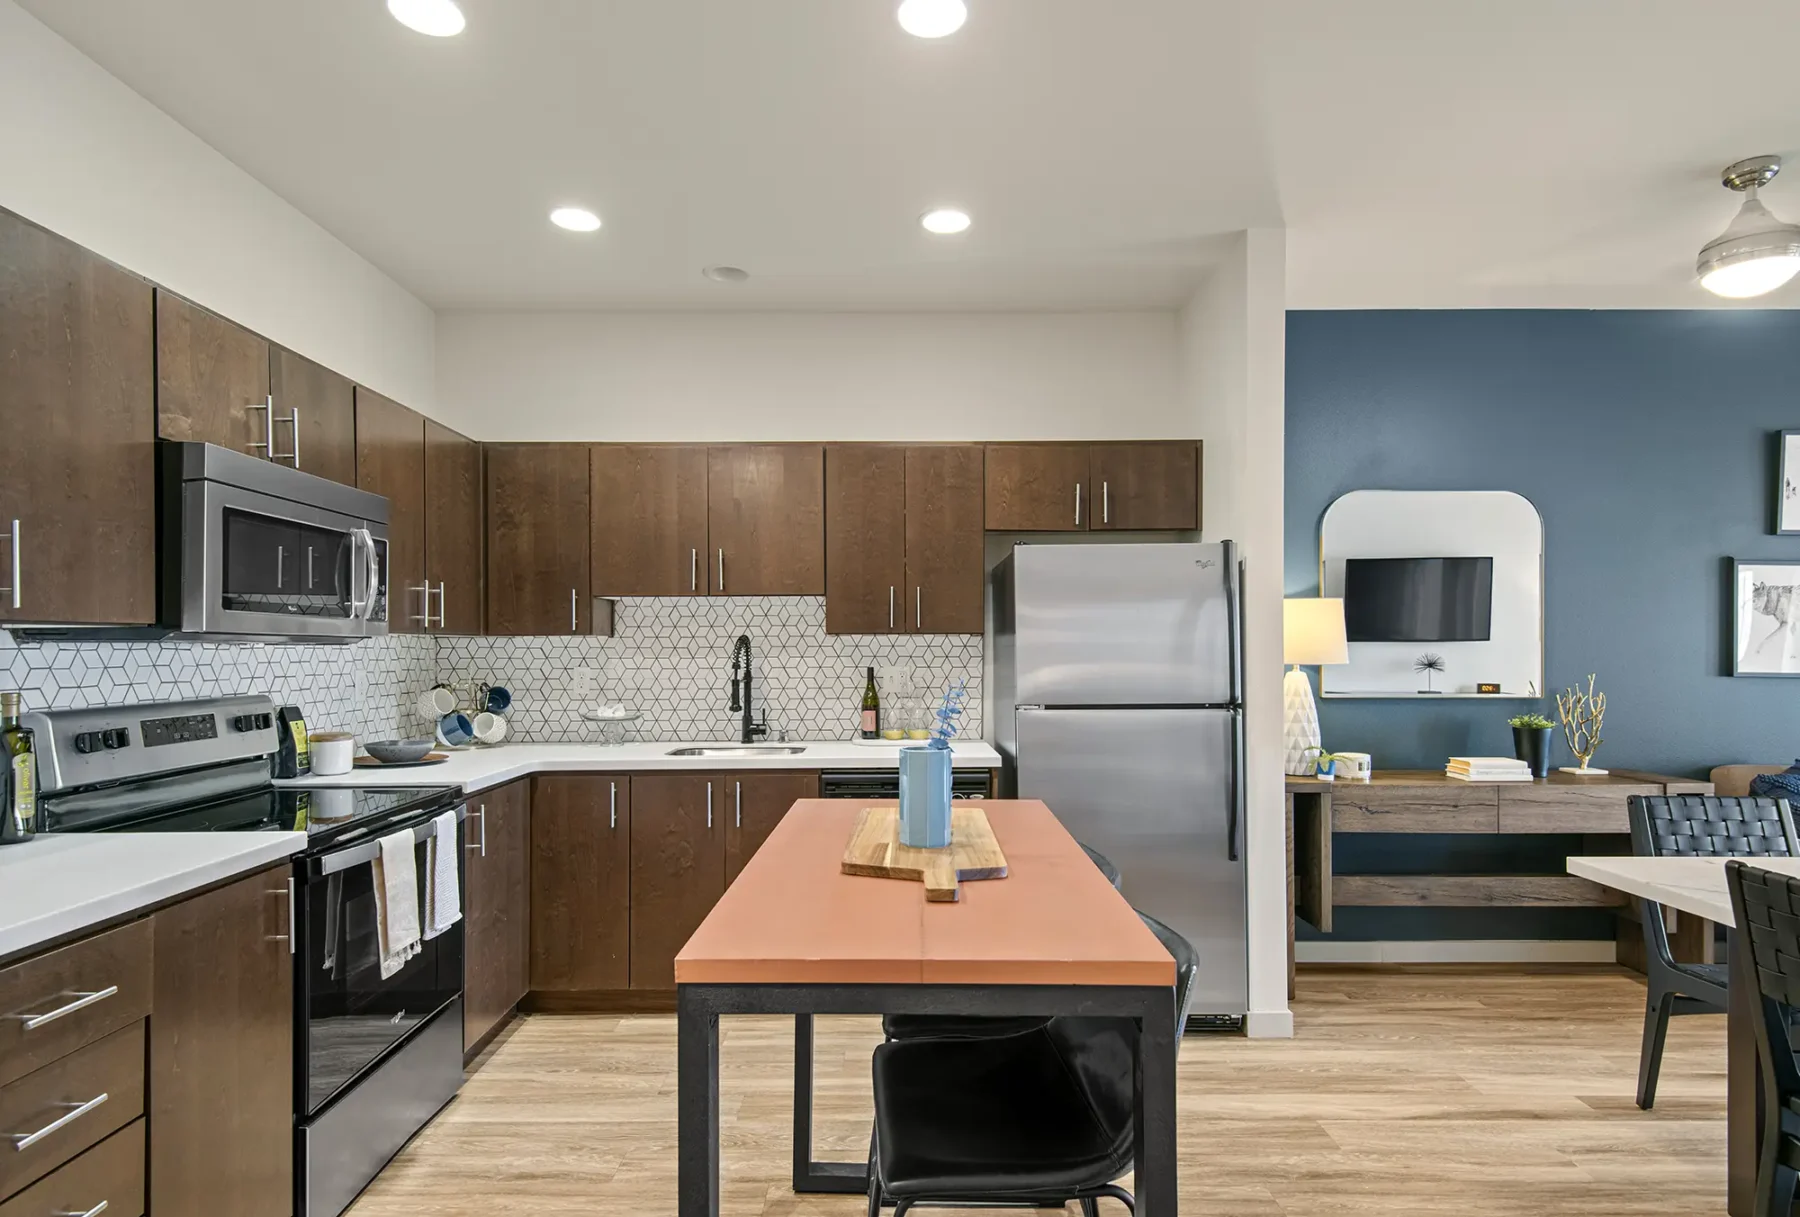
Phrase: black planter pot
x=1532 y=745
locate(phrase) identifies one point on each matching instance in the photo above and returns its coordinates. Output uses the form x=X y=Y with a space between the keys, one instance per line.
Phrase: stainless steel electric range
x=375 y=1057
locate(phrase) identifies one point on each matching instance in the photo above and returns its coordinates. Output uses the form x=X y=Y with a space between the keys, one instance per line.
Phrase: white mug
x=333 y=753
x=490 y=728
x=1357 y=765
x=436 y=702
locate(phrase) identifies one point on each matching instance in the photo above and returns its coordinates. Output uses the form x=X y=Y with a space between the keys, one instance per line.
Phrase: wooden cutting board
x=973 y=853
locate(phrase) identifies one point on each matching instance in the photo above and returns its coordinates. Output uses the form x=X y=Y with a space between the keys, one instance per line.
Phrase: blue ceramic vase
x=925 y=797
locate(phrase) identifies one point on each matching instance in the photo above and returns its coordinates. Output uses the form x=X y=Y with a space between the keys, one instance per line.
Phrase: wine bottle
x=18 y=819
x=871 y=709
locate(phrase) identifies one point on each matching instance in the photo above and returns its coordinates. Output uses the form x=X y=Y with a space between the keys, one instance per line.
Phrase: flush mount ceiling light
x=725 y=274
x=575 y=219
x=439 y=18
x=1757 y=253
x=945 y=221
x=932 y=18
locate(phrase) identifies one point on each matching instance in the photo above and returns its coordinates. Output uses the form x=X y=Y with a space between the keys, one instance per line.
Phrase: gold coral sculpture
x=1582 y=712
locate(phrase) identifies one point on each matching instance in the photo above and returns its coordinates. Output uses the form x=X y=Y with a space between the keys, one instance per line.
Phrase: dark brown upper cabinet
x=212 y=381
x=78 y=408
x=865 y=539
x=538 y=519
x=649 y=528
x=765 y=507
x=1150 y=485
x=390 y=461
x=315 y=416
x=946 y=571
x=453 y=532
x=1037 y=487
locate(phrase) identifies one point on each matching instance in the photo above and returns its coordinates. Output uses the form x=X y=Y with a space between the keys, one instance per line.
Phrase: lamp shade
x=1312 y=630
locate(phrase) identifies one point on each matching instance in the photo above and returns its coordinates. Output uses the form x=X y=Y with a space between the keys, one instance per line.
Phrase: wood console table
x=1425 y=801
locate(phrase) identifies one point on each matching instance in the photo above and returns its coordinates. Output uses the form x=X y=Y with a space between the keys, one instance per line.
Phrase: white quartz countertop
x=61 y=884
x=1692 y=885
x=480 y=768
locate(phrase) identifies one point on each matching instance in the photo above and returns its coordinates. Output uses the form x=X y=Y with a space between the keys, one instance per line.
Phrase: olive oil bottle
x=18 y=751
x=871 y=709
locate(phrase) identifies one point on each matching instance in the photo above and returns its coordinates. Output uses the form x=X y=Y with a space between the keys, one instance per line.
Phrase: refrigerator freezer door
x=1153 y=790
x=1124 y=625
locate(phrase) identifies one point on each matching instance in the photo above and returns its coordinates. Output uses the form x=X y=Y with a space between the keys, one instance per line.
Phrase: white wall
x=810 y=376
x=86 y=157
x=1233 y=347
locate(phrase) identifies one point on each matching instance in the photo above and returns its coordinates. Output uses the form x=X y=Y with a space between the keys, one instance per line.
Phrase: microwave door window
x=261 y=559
x=325 y=581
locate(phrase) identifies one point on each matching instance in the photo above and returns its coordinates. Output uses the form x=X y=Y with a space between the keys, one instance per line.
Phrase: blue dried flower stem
x=949 y=713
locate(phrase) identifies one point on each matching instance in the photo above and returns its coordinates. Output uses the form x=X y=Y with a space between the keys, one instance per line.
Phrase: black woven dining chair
x=1766 y=907
x=1688 y=826
x=1036 y=1119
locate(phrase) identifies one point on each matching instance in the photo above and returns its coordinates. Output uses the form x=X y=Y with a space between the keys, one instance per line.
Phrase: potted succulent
x=1324 y=764
x=1531 y=741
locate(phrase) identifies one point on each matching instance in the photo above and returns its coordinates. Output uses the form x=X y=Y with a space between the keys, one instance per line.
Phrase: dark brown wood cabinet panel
x=496 y=907
x=1037 y=487
x=108 y=1178
x=1145 y=485
x=453 y=532
x=315 y=416
x=677 y=866
x=210 y=373
x=757 y=803
x=865 y=539
x=222 y=1052
x=390 y=461
x=765 y=507
x=581 y=871
x=538 y=523
x=78 y=404
x=113 y=1067
x=118 y=960
x=946 y=568
x=649 y=527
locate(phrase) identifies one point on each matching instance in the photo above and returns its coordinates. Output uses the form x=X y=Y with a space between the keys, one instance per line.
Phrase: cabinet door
x=581 y=871
x=865 y=538
x=677 y=866
x=765 y=509
x=315 y=416
x=453 y=529
x=1148 y=485
x=78 y=408
x=1037 y=487
x=390 y=461
x=496 y=907
x=946 y=564
x=649 y=530
x=755 y=804
x=210 y=372
x=537 y=539
x=222 y=1052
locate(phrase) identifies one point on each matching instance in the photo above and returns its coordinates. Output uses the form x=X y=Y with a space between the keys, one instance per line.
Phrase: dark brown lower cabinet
x=678 y=827
x=758 y=802
x=580 y=882
x=222 y=1053
x=496 y=907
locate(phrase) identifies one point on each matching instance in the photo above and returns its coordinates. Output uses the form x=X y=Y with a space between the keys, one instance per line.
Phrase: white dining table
x=1697 y=886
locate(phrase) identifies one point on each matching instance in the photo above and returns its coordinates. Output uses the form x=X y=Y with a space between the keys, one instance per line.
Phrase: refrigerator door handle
x=1235 y=812
x=1234 y=612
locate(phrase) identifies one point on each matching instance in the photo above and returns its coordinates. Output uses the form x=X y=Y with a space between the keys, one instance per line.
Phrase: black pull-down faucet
x=741 y=681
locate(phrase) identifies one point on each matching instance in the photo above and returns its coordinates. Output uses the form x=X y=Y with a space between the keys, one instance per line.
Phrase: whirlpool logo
x=1205 y=563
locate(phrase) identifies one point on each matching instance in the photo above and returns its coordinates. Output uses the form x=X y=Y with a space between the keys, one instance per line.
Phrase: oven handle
x=368 y=851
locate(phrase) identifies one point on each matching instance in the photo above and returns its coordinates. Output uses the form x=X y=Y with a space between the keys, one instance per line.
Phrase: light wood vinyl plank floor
x=1405 y=1091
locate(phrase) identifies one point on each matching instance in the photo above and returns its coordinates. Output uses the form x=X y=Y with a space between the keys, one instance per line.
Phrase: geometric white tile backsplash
x=671 y=660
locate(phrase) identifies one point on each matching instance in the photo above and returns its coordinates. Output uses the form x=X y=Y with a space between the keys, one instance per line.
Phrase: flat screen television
x=1418 y=599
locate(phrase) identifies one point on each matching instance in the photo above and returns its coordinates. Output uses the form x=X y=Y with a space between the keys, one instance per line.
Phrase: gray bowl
x=398 y=751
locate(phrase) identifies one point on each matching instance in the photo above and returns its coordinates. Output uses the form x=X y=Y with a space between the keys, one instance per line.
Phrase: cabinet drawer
x=49 y=1116
x=1551 y=809
x=1356 y=807
x=59 y=1001
x=111 y=1175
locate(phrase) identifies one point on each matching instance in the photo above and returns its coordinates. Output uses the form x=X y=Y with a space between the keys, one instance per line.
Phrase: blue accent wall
x=1647 y=442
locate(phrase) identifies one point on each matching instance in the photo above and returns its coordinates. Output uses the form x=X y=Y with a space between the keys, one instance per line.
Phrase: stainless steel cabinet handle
x=267 y=406
x=424 y=590
x=919 y=607
x=1078 y=504
x=293 y=909
x=15 y=589
x=440 y=612
x=613 y=811
x=24 y=1141
x=709 y=804
x=572 y=619
x=890 y=606
x=294 y=422
x=478 y=847
x=1105 y=503
x=288 y=937
x=721 y=568
x=738 y=822
x=693 y=570
x=82 y=1001
x=93 y=1212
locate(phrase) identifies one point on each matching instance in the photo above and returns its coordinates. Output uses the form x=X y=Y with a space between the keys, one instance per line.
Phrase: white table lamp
x=1312 y=632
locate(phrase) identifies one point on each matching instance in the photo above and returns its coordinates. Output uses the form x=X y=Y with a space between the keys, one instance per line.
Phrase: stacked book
x=1487 y=769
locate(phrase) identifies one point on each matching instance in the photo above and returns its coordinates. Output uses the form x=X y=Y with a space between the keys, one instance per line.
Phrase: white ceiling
x=1421 y=154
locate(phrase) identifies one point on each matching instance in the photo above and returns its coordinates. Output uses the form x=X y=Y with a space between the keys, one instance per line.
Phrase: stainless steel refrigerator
x=1118 y=698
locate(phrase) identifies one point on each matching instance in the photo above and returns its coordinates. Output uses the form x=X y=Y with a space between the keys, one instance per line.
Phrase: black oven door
x=350 y=1015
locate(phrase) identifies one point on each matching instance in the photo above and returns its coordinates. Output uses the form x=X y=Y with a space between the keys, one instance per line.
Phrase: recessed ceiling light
x=439 y=18
x=945 y=221
x=1757 y=253
x=932 y=18
x=575 y=219
x=725 y=274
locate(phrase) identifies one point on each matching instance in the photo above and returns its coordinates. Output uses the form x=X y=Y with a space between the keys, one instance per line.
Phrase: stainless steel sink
x=739 y=750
